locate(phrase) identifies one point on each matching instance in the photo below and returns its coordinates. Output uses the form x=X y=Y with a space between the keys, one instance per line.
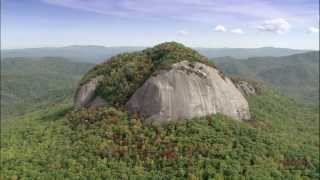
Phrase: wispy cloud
x=278 y=25
x=96 y=6
x=220 y=28
x=183 y=32
x=195 y=10
x=237 y=31
x=313 y=30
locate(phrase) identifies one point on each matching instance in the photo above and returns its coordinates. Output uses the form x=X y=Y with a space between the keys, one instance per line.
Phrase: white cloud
x=237 y=31
x=230 y=11
x=183 y=32
x=278 y=26
x=220 y=28
x=313 y=30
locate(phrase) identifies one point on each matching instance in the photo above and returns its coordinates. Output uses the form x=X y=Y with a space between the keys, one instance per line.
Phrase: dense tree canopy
x=125 y=73
x=281 y=142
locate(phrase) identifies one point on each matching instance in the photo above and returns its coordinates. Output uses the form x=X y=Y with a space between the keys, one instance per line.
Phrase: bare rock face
x=246 y=88
x=189 y=89
x=97 y=102
x=85 y=95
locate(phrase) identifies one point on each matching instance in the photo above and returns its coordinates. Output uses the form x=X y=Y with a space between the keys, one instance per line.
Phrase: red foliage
x=169 y=154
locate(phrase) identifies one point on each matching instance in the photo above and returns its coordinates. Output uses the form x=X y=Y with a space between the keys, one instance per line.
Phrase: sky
x=196 y=23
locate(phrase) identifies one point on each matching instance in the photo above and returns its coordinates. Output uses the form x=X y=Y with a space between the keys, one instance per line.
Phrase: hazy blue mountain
x=96 y=54
x=295 y=75
x=91 y=54
x=27 y=84
x=240 y=53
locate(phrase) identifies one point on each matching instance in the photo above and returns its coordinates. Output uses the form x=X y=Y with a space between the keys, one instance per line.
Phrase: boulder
x=246 y=88
x=97 y=102
x=188 y=90
x=85 y=95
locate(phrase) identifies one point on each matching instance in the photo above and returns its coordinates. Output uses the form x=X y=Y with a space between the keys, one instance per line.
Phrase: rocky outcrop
x=163 y=83
x=246 y=88
x=85 y=95
x=97 y=102
x=187 y=90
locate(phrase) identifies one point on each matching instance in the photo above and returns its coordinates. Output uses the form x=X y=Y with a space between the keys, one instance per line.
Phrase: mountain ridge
x=294 y=75
x=96 y=54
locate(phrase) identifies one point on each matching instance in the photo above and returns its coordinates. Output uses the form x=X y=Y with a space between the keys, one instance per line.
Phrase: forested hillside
x=159 y=90
x=28 y=84
x=295 y=75
x=280 y=142
x=56 y=141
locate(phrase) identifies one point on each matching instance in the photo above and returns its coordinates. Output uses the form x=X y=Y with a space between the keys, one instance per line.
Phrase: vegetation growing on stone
x=296 y=75
x=110 y=144
x=125 y=73
x=280 y=142
x=258 y=86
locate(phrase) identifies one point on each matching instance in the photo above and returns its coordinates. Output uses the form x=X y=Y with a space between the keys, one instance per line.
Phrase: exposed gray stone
x=188 y=90
x=98 y=102
x=85 y=93
x=246 y=88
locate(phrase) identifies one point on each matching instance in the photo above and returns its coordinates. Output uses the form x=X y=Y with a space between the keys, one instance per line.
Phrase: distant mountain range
x=240 y=53
x=96 y=54
x=295 y=75
x=92 y=54
x=28 y=83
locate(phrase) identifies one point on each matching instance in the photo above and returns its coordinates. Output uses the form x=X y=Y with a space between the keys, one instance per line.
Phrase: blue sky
x=196 y=23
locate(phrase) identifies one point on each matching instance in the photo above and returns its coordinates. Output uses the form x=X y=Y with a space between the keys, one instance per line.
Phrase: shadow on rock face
x=86 y=95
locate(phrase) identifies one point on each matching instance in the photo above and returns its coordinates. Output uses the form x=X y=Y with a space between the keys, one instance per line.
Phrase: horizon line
x=124 y=46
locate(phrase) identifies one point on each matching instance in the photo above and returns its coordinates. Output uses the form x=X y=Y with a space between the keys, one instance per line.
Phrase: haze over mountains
x=96 y=54
x=35 y=77
x=295 y=75
x=91 y=54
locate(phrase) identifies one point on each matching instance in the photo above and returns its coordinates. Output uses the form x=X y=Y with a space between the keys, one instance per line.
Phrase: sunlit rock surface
x=188 y=90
